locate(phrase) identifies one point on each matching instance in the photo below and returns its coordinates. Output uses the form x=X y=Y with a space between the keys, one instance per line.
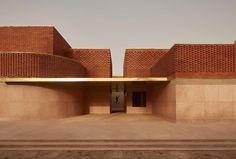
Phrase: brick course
x=38 y=65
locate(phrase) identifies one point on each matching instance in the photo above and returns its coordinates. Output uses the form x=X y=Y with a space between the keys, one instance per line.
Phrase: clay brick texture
x=198 y=61
x=39 y=65
x=60 y=46
x=96 y=61
x=166 y=65
x=138 y=62
x=43 y=52
x=32 y=39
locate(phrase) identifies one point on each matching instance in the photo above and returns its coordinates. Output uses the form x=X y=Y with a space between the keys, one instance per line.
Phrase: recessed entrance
x=118 y=102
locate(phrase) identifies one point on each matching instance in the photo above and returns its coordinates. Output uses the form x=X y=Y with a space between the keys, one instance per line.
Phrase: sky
x=121 y=24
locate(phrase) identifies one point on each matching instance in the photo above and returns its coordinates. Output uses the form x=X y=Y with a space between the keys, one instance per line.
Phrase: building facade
x=200 y=79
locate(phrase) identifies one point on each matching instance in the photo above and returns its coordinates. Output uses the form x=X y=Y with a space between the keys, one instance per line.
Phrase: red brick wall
x=38 y=65
x=204 y=58
x=166 y=65
x=138 y=62
x=26 y=39
x=235 y=54
x=96 y=61
x=60 y=46
x=32 y=39
x=198 y=61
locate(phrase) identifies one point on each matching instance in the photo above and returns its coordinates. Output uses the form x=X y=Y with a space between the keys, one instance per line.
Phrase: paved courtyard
x=114 y=126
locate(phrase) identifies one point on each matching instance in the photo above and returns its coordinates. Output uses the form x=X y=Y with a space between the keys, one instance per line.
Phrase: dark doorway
x=118 y=102
x=139 y=99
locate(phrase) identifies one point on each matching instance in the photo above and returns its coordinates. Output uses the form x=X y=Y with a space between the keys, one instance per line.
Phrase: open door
x=118 y=102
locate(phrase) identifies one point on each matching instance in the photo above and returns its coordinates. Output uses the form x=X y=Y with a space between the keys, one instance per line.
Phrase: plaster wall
x=210 y=100
x=39 y=101
x=195 y=100
x=164 y=100
x=98 y=99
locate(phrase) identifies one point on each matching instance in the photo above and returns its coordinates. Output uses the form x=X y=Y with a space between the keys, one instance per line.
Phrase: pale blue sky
x=120 y=24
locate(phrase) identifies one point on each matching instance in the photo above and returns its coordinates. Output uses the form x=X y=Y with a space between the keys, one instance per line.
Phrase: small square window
x=139 y=99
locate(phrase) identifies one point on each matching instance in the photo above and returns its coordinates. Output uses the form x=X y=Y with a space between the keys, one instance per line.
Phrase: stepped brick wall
x=198 y=61
x=38 y=65
x=138 y=62
x=35 y=41
x=96 y=61
x=182 y=60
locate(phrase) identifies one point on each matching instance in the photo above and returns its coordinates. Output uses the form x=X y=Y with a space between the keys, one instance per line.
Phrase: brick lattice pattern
x=43 y=52
x=36 y=41
x=33 y=39
x=166 y=65
x=197 y=60
x=38 y=65
x=96 y=61
x=138 y=62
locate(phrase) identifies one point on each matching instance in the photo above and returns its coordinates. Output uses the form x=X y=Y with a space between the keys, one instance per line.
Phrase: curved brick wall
x=138 y=62
x=198 y=61
x=96 y=61
x=38 y=65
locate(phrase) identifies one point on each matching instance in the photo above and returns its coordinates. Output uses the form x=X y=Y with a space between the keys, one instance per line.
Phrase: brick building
x=43 y=77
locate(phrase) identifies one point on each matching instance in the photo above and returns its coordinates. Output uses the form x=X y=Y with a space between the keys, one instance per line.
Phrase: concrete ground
x=117 y=127
x=118 y=154
x=114 y=126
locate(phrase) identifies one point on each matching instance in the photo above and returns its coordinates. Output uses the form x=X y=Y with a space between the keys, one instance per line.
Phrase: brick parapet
x=212 y=58
x=197 y=61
